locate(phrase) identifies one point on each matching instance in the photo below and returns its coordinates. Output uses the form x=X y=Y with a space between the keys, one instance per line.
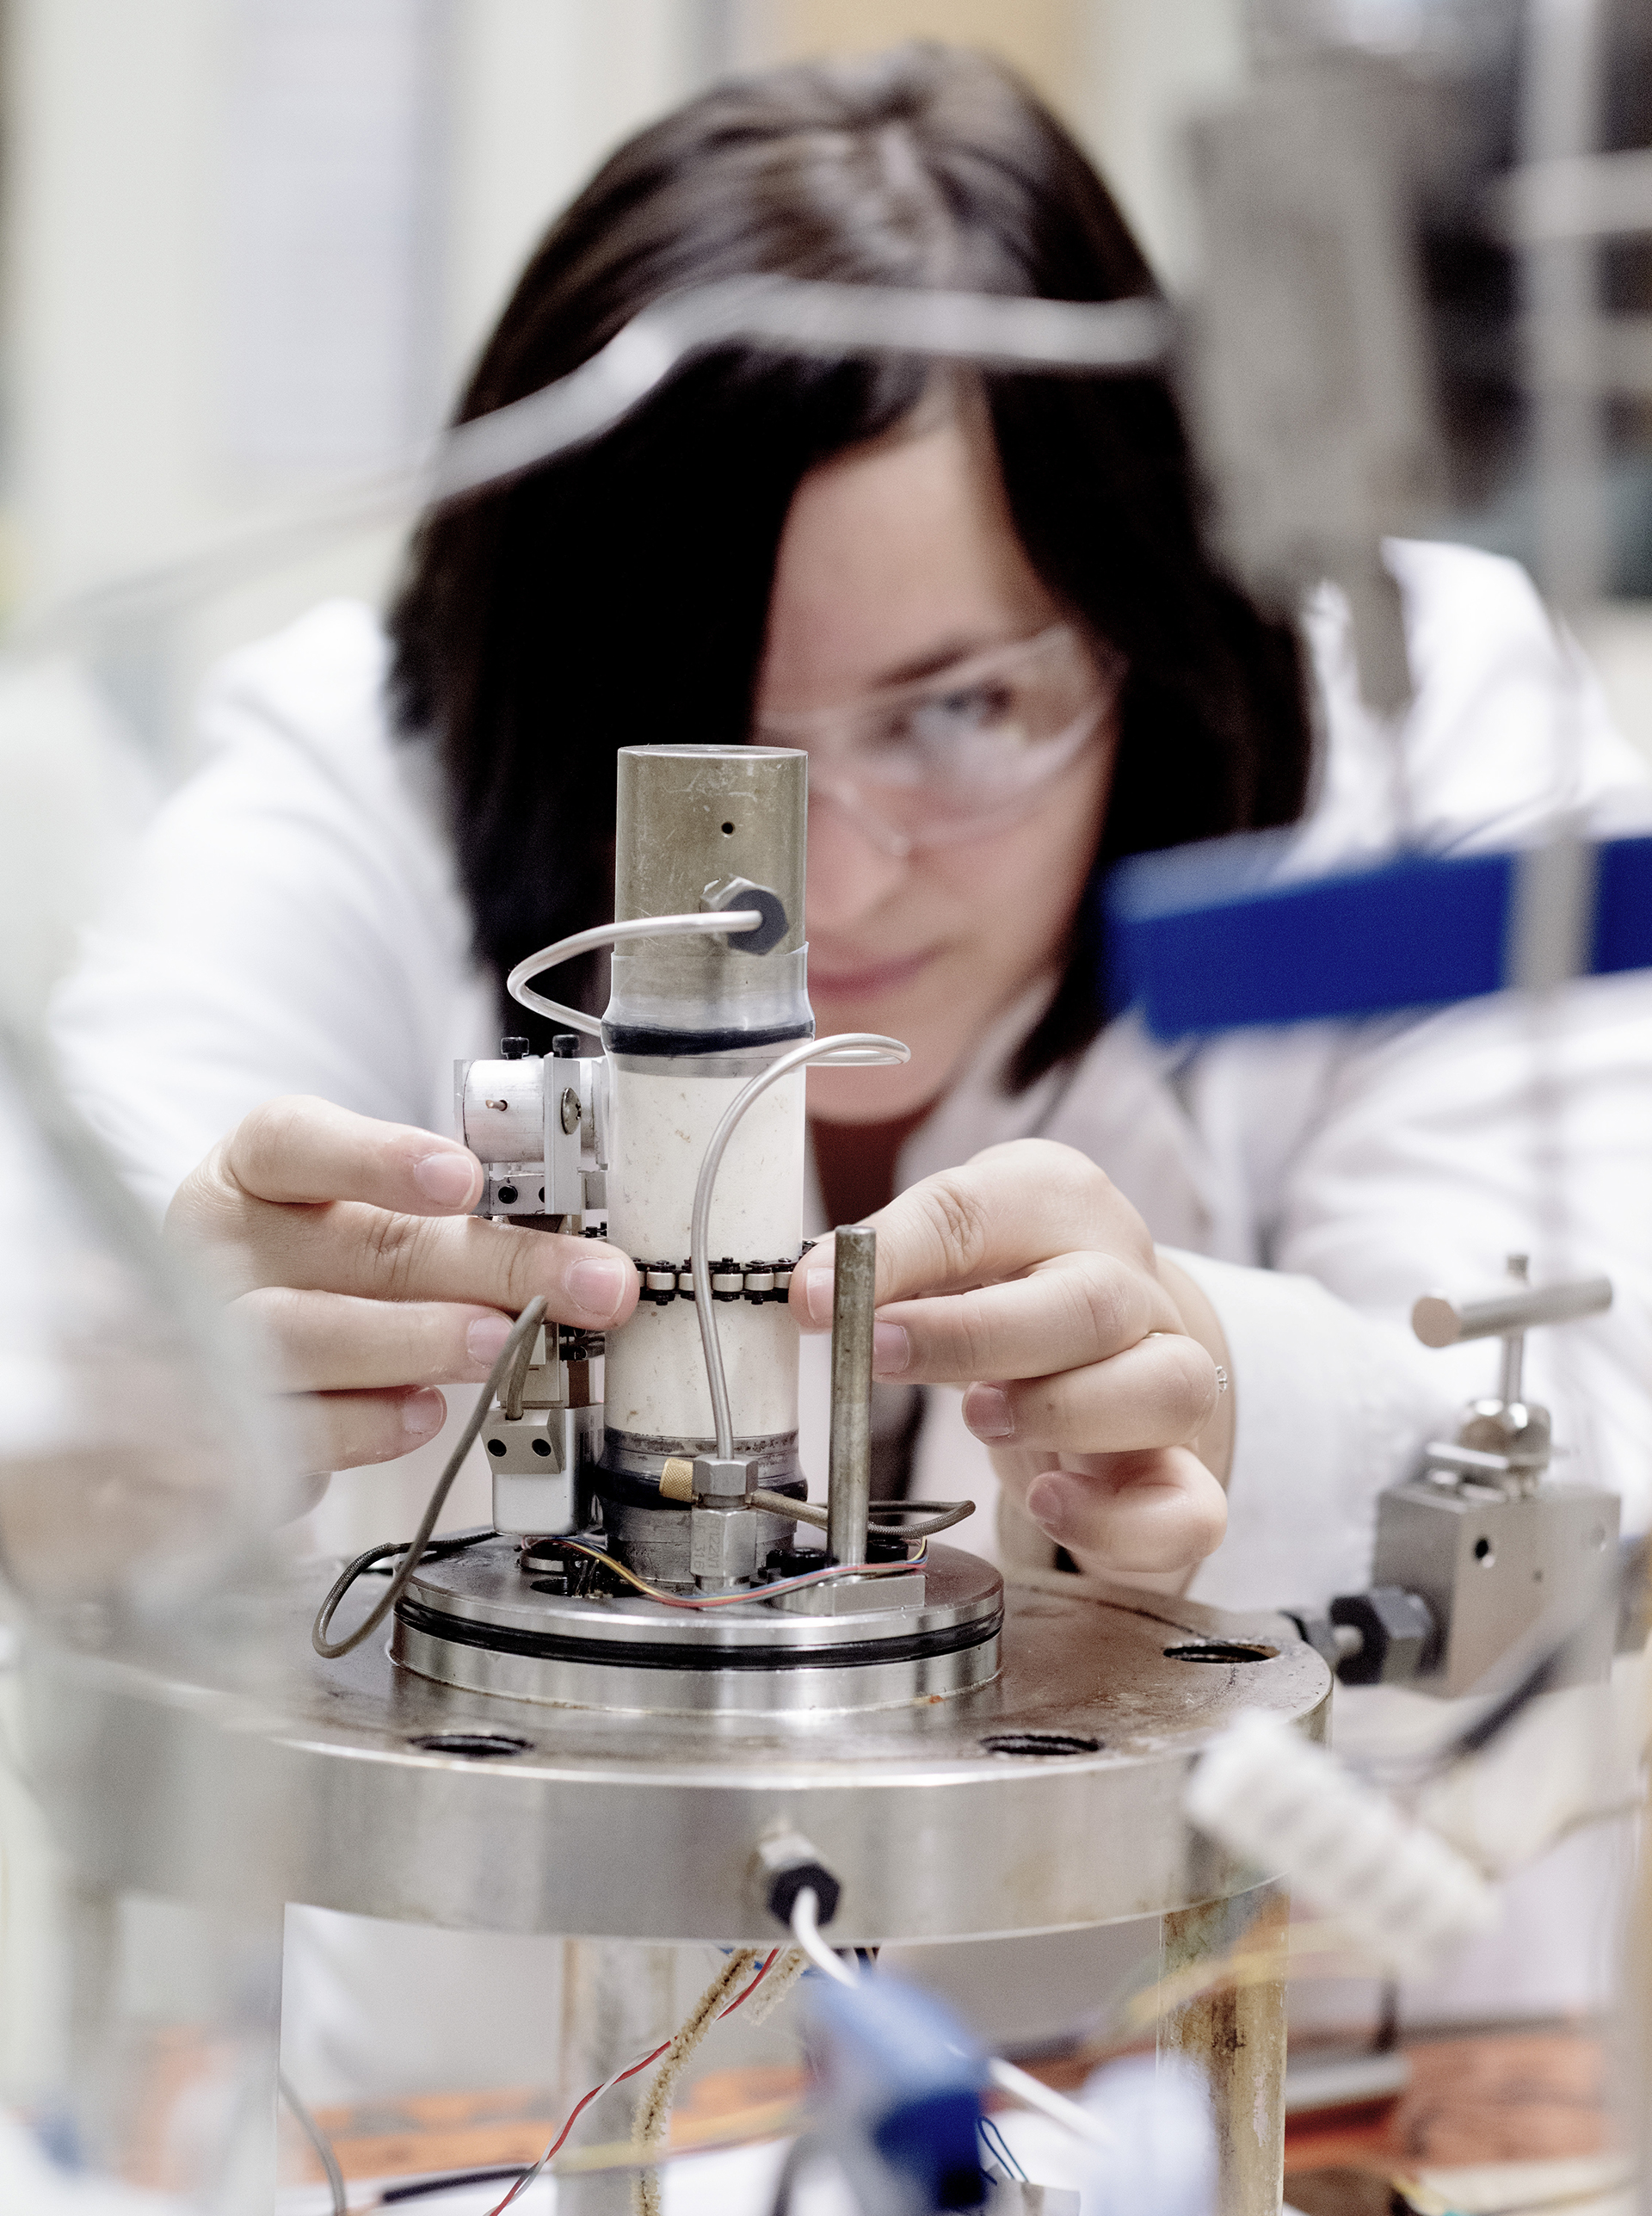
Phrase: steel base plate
x=478 y=1621
x=1050 y=1797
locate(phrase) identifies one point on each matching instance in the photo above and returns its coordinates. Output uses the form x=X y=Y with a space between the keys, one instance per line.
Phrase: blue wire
x=999 y=2148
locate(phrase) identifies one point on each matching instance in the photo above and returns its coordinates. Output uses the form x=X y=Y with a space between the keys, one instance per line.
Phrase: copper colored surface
x=1507 y=2096
x=1511 y=2097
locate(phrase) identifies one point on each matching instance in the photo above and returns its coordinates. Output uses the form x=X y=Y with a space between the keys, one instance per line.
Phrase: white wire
x=790 y=315
x=805 y=1930
x=1060 y=2110
x=609 y=934
x=864 y=1049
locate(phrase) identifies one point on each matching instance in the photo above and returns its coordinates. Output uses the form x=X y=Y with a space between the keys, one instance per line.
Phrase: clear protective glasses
x=963 y=751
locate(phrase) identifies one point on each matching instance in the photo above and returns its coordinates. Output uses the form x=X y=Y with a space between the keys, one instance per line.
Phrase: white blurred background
x=252 y=245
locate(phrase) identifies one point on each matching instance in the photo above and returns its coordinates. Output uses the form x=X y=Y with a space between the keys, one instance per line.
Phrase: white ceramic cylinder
x=662 y=1120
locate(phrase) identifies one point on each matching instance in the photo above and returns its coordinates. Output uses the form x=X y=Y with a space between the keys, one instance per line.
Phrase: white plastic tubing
x=1271 y=1796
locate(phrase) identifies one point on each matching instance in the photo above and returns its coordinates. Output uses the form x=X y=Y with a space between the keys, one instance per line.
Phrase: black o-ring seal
x=635 y=1654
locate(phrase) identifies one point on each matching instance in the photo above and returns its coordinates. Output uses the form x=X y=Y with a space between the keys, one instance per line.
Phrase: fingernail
x=598 y=1283
x=986 y=1410
x=448 y=1178
x=817 y=1292
x=1051 y=1500
x=891 y=1350
x=485 y=1340
x=421 y=1414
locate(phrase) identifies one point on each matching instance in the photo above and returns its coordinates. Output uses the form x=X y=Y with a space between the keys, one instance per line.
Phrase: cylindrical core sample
x=690 y=820
x=662 y=1118
x=691 y=1021
x=848 y=1484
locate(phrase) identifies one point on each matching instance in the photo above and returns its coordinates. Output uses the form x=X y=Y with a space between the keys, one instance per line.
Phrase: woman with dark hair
x=1002 y=575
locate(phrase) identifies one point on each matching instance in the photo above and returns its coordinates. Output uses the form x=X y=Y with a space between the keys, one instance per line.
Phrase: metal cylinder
x=690 y=820
x=1439 y=1321
x=502 y=1110
x=1233 y=2033
x=619 y=1999
x=848 y=1485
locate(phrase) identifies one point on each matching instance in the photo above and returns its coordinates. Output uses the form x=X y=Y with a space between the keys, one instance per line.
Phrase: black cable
x=424 y=2188
x=319 y=2139
x=1519 y=1697
x=522 y=1335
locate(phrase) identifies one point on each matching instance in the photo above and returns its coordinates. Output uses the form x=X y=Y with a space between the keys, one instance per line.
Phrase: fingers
x=367 y=1253
x=353 y=1249
x=1153 y=1512
x=1160 y=1392
x=333 y=1341
x=1077 y=1309
x=308 y=1196
x=1010 y=1208
x=343 y=1430
x=299 y=1149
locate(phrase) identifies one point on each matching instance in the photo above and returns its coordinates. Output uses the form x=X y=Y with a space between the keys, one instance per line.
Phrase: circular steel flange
x=477 y=1621
x=1050 y=1798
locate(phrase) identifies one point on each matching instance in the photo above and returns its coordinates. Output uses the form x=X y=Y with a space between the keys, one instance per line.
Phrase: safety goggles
x=960 y=752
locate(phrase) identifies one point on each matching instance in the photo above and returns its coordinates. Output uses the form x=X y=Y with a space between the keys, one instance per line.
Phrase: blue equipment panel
x=1216 y=937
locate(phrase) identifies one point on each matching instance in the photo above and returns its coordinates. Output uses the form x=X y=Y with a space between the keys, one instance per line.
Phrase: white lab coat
x=296 y=925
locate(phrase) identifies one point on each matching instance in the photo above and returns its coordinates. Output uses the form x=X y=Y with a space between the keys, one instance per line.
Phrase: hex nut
x=1398 y=1635
x=720 y=1481
x=787 y=1865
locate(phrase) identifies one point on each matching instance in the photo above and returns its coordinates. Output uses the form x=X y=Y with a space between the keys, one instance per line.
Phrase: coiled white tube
x=1273 y=1797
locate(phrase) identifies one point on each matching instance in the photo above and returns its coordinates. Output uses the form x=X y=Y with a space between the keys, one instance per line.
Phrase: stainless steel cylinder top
x=700 y=827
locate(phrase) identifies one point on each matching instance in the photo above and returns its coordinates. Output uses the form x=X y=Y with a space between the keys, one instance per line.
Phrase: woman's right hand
x=349 y=1245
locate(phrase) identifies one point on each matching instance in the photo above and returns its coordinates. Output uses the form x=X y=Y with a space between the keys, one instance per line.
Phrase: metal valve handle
x=1440 y=1322
x=1507 y=1438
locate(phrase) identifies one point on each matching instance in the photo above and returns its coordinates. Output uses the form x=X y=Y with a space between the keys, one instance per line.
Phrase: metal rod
x=1514 y=1364
x=848 y=1481
x=1439 y=1322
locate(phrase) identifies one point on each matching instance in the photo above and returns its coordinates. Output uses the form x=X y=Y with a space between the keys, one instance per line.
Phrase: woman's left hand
x=1090 y=1366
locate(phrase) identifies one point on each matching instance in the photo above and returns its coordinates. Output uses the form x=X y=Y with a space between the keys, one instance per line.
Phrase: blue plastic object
x=899 y=2085
x=1219 y=937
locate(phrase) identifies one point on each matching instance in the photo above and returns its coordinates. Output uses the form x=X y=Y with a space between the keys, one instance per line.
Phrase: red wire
x=741 y=1999
x=586 y=2099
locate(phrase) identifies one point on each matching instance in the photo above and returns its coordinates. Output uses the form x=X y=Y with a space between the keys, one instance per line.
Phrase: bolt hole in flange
x=1048 y=1744
x=1220 y=1650
x=475 y=1746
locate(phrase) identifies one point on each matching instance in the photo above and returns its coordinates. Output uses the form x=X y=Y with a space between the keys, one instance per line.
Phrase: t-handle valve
x=1505 y=1441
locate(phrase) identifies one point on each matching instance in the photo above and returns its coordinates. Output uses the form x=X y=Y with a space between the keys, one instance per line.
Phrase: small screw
x=569 y=1111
